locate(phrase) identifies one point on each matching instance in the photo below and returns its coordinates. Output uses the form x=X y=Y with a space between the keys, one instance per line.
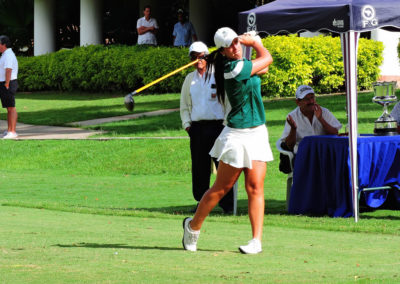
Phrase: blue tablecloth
x=321 y=177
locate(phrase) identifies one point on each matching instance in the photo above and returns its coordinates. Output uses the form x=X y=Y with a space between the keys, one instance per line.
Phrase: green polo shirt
x=244 y=94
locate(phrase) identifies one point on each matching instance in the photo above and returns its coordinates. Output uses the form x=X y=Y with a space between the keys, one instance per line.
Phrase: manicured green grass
x=111 y=211
x=51 y=108
x=276 y=112
x=59 y=109
x=44 y=246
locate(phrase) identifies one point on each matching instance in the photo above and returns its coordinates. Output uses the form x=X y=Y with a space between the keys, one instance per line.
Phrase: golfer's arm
x=263 y=59
x=263 y=71
x=8 y=77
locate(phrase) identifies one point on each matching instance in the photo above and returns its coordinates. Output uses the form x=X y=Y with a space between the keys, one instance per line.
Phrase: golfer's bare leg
x=226 y=178
x=12 y=119
x=254 y=183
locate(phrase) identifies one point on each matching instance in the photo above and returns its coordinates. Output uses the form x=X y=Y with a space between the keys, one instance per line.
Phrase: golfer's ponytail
x=215 y=61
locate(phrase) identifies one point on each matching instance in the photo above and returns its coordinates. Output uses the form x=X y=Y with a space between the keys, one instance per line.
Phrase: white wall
x=390 y=40
x=310 y=34
x=91 y=22
x=43 y=27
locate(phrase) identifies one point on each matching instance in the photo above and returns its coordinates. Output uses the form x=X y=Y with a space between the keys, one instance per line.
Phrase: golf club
x=129 y=101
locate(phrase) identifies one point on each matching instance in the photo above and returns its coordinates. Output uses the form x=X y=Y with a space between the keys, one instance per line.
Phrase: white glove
x=254 y=34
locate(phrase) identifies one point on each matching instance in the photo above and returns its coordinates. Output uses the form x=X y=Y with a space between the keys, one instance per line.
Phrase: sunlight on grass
x=111 y=211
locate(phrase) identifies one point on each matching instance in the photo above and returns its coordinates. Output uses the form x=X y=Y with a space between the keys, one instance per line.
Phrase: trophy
x=385 y=95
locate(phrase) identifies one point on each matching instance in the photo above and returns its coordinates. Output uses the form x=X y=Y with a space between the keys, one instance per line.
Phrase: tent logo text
x=338 y=23
x=368 y=14
x=251 y=22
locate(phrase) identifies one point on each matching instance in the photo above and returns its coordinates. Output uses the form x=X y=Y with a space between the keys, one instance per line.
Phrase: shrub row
x=101 y=68
x=316 y=61
x=398 y=50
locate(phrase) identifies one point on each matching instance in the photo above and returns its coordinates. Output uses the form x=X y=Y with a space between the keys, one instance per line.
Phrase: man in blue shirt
x=184 y=32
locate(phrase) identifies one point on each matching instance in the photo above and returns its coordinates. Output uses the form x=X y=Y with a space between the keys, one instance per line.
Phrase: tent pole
x=349 y=42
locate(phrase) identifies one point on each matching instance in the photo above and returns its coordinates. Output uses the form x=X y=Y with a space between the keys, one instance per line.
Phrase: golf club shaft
x=165 y=76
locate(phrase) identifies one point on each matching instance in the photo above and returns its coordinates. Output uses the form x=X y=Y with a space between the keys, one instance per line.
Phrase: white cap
x=224 y=37
x=303 y=91
x=180 y=11
x=198 y=47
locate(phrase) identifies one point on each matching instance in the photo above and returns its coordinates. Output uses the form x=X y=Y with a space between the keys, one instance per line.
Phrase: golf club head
x=129 y=102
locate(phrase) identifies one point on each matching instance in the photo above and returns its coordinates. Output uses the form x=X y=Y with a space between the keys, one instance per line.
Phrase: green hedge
x=316 y=61
x=398 y=50
x=99 y=68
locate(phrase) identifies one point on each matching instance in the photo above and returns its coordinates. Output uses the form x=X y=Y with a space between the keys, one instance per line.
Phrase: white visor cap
x=224 y=37
x=303 y=91
x=198 y=47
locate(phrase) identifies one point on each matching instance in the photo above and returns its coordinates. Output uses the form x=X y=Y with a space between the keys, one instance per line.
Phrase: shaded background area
x=119 y=19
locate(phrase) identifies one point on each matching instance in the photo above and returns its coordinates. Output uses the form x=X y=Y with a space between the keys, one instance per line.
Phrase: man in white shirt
x=308 y=119
x=8 y=85
x=202 y=117
x=147 y=28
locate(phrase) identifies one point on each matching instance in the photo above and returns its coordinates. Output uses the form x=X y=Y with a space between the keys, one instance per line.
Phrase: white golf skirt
x=239 y=147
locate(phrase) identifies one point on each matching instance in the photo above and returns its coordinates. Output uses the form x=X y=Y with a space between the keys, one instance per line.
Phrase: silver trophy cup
x=384 y=96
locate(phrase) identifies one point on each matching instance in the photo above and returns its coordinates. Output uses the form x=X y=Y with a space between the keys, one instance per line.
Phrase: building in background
x=390 y=68
x=61 y=24
x=105 y=21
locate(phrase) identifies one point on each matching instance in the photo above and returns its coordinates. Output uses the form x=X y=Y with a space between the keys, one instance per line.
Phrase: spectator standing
x=8 y=85
x=184 y=32
x=147 y=28
x=202 y=117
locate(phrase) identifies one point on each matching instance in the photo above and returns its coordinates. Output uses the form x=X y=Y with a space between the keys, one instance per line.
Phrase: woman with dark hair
x=243 y=144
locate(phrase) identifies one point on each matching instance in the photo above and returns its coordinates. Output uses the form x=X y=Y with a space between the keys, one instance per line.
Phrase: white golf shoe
x=10 y=135
x=189 y=240
x=253 y=247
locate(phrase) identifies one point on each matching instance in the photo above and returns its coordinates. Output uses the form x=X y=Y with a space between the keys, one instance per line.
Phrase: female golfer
x=243 y=144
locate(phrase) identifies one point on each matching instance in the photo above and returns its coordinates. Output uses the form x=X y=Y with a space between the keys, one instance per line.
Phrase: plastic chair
x=289 y=180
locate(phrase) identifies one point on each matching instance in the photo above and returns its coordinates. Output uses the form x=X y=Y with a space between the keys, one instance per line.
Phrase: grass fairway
x=88 y=211
x=49 y=108
x=45 y=246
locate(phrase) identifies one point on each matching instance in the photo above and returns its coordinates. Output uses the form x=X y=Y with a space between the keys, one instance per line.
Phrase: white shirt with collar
x=149 y=37
x=8 y=60
x=199 y=100
x=305 y=128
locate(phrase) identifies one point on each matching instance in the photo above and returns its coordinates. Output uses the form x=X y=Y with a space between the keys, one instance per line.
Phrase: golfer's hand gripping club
x=130 y=102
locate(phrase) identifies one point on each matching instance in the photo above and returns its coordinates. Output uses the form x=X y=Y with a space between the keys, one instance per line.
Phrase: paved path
x=122 y=117
x=27 y=131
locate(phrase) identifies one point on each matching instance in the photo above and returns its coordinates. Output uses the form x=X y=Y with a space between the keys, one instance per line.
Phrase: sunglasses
x=194 y=57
